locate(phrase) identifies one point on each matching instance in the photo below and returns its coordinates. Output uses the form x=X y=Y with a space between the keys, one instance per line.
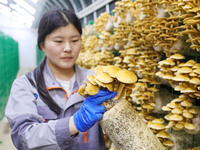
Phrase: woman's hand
x=91 y=110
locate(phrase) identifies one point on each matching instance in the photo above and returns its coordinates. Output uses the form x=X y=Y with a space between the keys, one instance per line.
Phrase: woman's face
x=62 y=47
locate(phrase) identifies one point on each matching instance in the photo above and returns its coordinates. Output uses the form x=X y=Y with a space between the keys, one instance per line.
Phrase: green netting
x=112 y=13
x=91 y=22
x=9 y=66
x=40 y=55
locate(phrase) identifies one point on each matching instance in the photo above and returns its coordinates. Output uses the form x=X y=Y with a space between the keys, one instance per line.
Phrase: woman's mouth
x=66 y=58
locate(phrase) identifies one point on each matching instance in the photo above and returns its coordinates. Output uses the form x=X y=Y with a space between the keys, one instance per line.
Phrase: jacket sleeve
x=28 y=131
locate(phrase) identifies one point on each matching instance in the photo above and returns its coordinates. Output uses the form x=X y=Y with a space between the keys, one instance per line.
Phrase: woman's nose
x=67 y=47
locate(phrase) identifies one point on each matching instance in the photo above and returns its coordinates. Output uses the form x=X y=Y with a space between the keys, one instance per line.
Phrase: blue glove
x=91 y=111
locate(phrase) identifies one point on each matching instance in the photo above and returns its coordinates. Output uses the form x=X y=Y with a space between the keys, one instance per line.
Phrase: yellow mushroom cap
x=177 y=56
x=158 y=120
x=193 y=74
x=146 y=106
x=197 y=70
x=193 y=111
x=189 y=126
x=109 y=86
x=98 y=69
x=179 y=125
x=100 y=83
x=168 y=143
x=184 y=70
x=177 y=111
x=176 y=117
x=188 y=115
x=174 y=68
x=172 y=105
x=168 y=116
x=156 y=126
x=184 y=96
x=91 y=89
x=195 y=81
x=168 y=76
x=91 y=78
x=186 y=104
x=190 y=63
x=104 y=77
x=81 y=90
x=179 y=99
x=111 y=70
x=166 y=108
x=181 y=77
x=197 y=65
x=163 y=134
x=188 y=90
x=167 y=62
x=126 y=76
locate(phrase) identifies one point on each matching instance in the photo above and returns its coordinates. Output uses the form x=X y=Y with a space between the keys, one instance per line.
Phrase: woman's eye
x=58 y=41
x=74 y=40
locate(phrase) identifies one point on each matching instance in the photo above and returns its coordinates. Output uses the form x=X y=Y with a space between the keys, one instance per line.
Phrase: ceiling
x=26 y=11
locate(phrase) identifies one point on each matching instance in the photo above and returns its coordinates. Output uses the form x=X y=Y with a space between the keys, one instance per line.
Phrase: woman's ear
x=42 y=47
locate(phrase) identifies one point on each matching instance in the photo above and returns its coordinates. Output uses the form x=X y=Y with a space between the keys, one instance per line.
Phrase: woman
x=44 y=109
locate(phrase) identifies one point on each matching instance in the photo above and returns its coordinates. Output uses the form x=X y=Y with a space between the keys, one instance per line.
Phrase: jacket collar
x=51 y=81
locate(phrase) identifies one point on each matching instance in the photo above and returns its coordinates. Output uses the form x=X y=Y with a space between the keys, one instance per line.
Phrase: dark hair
x=54 y=19
x=50 y=21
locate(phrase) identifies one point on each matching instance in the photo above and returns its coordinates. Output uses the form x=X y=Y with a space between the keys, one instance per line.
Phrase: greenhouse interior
x=125 y=74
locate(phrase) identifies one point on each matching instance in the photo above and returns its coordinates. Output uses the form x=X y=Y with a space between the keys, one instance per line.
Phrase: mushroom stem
x=170 y=124
x=178 y=62
x=123 y=93
x=119 y=91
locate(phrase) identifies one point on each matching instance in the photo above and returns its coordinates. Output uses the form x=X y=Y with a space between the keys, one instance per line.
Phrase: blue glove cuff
x=79 y=123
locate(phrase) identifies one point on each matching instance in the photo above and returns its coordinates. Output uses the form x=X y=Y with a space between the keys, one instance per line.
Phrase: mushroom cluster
x=106 y=41
x=111 y=77
x=103 y=23
x=192 y=28
x=159 y=32
x=120 y=35
x=143 y=30
x=143 y=96
x=156 y=31
x=169 y=33
x=90 y=42
x=124 y=12
x=158 y=128
x=195 y=148
x=91 y=59
x=88 y=30
x=91 y=54
x=144 y=62
x=183 y=77
x=181 y=113
x=188 y=12
x=147 y=8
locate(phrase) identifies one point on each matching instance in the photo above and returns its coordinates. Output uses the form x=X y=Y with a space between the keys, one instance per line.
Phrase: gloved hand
x=91 y=111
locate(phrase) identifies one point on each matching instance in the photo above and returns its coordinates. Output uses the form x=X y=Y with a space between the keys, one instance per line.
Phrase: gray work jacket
x=35 y=126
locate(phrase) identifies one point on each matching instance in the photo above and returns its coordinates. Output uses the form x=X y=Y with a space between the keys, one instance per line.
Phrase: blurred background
x=19 y=53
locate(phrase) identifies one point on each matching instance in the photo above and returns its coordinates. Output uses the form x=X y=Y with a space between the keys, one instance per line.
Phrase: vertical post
x=74 y=5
